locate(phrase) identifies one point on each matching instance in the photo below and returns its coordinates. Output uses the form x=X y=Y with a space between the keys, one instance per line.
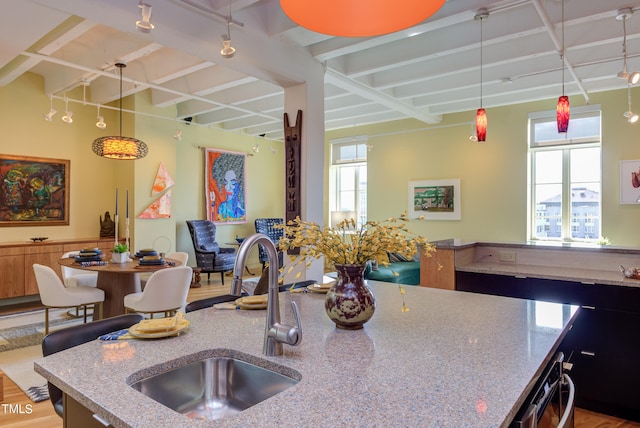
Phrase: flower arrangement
x=349 y=245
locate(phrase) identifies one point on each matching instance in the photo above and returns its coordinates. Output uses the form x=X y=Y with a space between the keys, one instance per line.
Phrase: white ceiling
x=424 y=72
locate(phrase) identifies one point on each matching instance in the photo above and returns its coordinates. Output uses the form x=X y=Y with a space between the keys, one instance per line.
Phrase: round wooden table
x=117 y=280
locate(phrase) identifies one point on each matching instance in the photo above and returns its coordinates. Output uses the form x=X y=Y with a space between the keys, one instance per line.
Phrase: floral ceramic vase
x=350 y=302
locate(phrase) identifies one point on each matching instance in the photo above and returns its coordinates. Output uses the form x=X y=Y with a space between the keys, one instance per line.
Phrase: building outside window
x=565 y=177
x=348 y=180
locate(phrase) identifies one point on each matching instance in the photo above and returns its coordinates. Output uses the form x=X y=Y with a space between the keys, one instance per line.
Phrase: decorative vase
x=350 y=302
x=119 y=257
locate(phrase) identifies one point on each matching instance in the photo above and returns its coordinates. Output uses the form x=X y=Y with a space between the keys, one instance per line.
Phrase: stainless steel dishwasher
x=551 y=403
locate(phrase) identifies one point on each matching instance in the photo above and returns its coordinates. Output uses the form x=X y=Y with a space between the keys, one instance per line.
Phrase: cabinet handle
x=100 y=419
x=588 y=353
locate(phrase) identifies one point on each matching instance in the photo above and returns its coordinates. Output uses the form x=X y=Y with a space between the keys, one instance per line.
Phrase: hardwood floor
x=41 y=414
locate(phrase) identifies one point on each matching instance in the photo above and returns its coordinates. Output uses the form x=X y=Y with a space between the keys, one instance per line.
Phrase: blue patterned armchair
x=267 y=227
x=210 y=257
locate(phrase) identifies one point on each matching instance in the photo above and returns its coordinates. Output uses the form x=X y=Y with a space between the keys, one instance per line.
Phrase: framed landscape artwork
x=34 y=191
x=434 y=199
x=225 y=183
x=630 y=182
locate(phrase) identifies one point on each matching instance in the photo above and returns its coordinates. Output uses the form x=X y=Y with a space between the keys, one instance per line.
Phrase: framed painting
x=434 y=199
x=34 y=191
x=225 y=186
x=630 y=182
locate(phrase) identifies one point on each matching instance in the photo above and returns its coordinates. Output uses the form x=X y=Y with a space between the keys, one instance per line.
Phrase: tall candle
x=116 y=201
x=127 y=211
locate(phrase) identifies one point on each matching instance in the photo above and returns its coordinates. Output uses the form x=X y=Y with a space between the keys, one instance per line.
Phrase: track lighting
x=256 y=148
x=100 y=124
x=145 y=25
x=227 y=50
x=178 y=134
x=631 y=116
x=49 y=116
x=634 y=77
x=68 y=115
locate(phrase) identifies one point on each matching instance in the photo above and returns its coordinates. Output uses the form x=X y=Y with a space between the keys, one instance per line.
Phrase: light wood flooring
x=42 y=415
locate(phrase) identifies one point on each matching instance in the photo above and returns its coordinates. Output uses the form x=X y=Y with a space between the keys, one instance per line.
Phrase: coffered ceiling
x=424 y=72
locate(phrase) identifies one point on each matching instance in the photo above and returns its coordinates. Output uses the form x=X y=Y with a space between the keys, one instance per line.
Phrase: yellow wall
x=494 y=174
x=94 y=179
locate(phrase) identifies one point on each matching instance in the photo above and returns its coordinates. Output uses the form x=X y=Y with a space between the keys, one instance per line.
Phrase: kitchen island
x=454 y=359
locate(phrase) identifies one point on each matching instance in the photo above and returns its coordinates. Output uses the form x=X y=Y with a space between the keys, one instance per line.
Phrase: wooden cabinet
x=17 y=259
x=11 y=261
x=438 y=271
x=76 y=415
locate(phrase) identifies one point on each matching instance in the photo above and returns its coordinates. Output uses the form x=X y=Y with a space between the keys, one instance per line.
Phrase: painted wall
x=494 y=174
x=94 y=179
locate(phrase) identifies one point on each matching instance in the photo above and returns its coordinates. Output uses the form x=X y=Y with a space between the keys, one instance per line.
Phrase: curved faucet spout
x=275 y=333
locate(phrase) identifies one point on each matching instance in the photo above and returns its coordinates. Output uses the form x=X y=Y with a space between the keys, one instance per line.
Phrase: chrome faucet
x=275 y=334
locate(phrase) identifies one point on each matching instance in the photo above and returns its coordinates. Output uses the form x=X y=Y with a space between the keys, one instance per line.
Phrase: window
x=348 y=179
x=565 y=176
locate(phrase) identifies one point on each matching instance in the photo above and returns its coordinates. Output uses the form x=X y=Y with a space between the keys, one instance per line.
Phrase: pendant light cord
x=481 y=22
x=120 y=66
x=562 y=51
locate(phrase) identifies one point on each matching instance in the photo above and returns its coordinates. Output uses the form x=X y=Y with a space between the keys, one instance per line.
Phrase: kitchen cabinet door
x=498 y=285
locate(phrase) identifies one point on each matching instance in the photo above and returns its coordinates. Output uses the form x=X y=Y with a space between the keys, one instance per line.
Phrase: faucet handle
x=298 y=327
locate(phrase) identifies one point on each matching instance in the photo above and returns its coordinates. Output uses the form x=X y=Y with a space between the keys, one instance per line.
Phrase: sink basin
x=214 y=387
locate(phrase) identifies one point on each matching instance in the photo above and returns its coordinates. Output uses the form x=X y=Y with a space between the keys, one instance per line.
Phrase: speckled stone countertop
x=454 y=360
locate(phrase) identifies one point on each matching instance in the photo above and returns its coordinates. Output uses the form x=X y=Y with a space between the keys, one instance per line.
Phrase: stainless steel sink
x=214 y=387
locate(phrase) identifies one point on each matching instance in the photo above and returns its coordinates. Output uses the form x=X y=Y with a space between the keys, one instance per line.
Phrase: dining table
x=117 y=279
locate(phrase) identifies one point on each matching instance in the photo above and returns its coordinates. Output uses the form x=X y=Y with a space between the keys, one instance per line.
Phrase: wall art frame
x=630 y=182
x=225 y=186
x=34 y=191
x=435 y=199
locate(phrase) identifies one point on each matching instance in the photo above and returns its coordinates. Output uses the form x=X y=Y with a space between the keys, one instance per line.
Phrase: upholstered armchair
x=210 y=257
x=267 y=227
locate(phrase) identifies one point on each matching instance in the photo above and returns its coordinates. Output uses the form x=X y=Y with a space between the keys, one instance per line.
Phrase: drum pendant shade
x=358 y=18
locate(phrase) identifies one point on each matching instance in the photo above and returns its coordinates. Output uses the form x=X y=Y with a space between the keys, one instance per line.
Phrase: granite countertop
x=455 y=359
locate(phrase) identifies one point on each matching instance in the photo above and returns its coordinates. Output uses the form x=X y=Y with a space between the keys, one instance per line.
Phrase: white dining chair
x=165 y=292
x=180 y=256
x=72 y=277
x=54 y=294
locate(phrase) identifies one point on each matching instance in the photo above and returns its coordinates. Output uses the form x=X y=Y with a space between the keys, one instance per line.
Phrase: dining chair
x=165 y=292
x=180 y=256
x=54 y=294
x=66 y=338
x=72 y=277
x=196 y=305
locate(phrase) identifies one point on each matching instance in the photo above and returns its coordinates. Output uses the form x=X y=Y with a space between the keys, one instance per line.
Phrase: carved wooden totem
x=292 y=142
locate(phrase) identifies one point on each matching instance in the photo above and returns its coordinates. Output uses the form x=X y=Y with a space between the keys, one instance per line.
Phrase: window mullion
x=566 y=195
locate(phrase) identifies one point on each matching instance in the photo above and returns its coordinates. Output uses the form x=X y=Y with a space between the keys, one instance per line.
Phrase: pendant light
x=119 y=147
x=358 y=18
x=227 y=50
x=563 y=109
x=481 y=114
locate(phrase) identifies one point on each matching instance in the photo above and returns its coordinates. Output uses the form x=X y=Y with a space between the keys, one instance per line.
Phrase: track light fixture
x=68 y=115
x=227 y=50
x=634 y=77
x=631 y=116
x=256 y=148
x=100 y=124
x=145 y=25
x=178 y=134
x=49 y=116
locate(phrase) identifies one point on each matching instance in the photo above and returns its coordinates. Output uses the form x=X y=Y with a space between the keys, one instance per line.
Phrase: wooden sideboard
x=17 y=259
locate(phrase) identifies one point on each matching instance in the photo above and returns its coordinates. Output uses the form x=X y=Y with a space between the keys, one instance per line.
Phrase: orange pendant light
x=481 y=125
x=358 y=18
x=563 y=113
